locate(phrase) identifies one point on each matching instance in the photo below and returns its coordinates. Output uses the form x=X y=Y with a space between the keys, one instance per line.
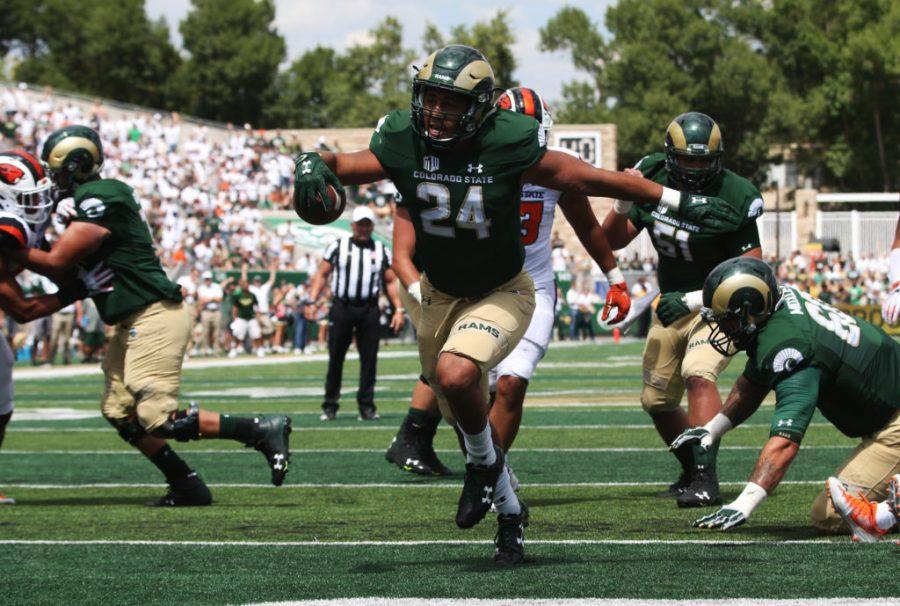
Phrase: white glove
x=890 y=309
x=65 y=210
x=415 y=291
x=98 y=279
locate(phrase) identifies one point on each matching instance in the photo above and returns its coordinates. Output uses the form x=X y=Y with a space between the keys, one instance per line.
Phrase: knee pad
x=182 y=426
x=128 y=428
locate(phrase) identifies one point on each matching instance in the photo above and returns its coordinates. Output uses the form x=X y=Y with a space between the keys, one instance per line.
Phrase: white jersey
x=538 y=208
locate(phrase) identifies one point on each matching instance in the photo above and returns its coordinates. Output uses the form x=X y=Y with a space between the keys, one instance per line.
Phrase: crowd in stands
x=205 y=198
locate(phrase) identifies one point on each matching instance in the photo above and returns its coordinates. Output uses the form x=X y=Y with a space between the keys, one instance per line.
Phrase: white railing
x=778 y=232
x=859 y=233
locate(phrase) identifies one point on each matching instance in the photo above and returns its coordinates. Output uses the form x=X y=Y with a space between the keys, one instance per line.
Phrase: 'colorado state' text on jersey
x=686 y=253
x=859 y=388
x=464 y=204
x=538 y=208
x=128 y=250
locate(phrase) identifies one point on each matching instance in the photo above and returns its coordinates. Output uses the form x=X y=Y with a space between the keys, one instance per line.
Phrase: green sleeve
x=743 y=239
x=522 y=145
x=796 y=397
x=391 y=141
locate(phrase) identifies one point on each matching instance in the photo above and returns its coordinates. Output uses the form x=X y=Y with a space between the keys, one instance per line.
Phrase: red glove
x=616 y=297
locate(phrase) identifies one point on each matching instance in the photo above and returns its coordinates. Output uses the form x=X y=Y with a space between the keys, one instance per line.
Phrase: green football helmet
x=739 y=296
x=460 y=70
x=694 y=150
x=74 y=155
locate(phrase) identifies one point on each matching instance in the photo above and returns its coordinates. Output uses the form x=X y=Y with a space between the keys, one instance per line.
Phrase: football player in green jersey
x=459 y=164
x=677 y=355
x=814 y=357
x=142 y=366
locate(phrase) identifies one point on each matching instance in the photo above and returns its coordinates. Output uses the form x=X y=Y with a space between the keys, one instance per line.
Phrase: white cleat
x=5 y=500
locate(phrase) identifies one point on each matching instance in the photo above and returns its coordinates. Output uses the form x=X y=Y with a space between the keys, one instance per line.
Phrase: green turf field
x=348 y=524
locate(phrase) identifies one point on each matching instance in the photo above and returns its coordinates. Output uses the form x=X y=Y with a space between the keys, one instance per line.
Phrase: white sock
x=505 y=499
x=884 y=517
x=480 y=447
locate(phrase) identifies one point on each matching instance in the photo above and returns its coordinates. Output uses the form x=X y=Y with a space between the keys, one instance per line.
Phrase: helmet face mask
x=739 y=296
x=452 y=96
x=26 y=187
x=694 y=150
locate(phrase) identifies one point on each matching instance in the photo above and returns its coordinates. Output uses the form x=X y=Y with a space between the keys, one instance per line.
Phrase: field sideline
x=349 y=525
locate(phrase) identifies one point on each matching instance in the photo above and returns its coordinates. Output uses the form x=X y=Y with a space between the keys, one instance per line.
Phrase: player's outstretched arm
x=581 y=217
x=558 y=170
x=313 y=170
x=78 y=241
x=25 y=309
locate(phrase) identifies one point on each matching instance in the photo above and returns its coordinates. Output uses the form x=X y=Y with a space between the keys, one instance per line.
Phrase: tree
x=234 y=56
x=665 y=57
x=323 y=88
x=107 y=48
x=494 y=38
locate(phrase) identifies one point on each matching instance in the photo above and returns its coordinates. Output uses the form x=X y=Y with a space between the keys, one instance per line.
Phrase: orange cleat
x=857 y=511
x=5 y=500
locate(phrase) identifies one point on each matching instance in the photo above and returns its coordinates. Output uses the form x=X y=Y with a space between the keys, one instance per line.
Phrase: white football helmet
x=24 y=176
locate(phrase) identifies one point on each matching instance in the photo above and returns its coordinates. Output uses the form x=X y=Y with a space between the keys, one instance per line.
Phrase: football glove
x=671 y=307
x=714 y=214
x=695 y=435
x=723 y=519
x=617 y=298
x=99 y=279
x=65 y=210
x=310 y=177
x=890 y=309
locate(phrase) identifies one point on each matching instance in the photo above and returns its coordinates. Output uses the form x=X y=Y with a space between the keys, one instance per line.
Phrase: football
x=317 y=215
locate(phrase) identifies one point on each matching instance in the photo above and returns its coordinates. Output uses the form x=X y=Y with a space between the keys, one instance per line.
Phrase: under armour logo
x=476 y=168
x=702 y=495
x=785 y=422
x=279 y=461
x=412 y=462
x=306 y=167
x=488 y=494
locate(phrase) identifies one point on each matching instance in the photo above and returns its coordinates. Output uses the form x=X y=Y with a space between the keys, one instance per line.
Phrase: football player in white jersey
x=25 y=207
x=412 y=448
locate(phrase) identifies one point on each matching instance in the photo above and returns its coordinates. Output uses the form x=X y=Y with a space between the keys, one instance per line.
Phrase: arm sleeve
x=331 y=252
x=796 y=397
x=743 y=239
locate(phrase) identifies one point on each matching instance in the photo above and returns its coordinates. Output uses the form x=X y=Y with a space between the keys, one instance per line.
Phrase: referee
x=358 y=267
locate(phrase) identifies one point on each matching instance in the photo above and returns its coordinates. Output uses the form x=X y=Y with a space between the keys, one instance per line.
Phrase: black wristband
x=76 y=291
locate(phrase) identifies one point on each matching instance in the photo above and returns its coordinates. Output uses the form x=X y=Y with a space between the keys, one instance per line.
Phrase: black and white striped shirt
x=358 y=269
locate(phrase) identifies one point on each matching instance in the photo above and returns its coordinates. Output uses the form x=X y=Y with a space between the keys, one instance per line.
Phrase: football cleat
x=329 y=413
x=190 y=492
x=275 y=445
x=509 y=542
x=478 y=491
x=5 y=500
x=404 y=453
x=857 y=511
x=703 y=490
x=677 y=487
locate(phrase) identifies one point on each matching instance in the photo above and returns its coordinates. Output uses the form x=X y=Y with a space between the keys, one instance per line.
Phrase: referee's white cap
x=361 y=213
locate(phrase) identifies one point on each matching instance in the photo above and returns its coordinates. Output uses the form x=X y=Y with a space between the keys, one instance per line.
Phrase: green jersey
x=128 y=250
x=687 y=252
x=245 y=302
x=816 y=356
x=464 y=204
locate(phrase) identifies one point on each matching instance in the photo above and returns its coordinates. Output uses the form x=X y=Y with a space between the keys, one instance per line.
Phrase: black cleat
x=190 y=492
x=703 y=490
x=412 y=450
x=509 y=542
x=675 y=489
x=329 y=413
x=478 y=491
x=275 y=445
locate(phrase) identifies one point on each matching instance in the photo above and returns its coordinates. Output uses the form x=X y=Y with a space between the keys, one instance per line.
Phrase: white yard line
x=371 y=485
x=392 y=601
